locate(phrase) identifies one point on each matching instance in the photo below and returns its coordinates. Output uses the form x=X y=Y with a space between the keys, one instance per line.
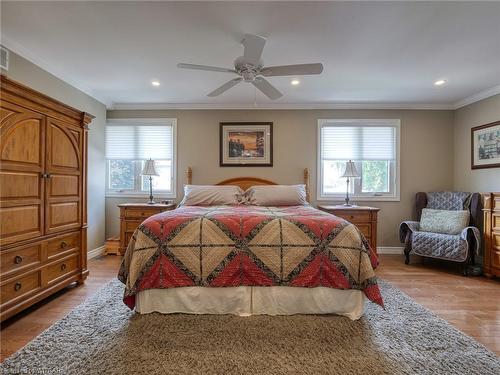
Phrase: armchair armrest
x=406 y=228
x=476 y=234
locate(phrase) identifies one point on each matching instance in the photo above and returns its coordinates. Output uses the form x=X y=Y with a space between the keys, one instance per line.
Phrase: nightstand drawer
x=366 y=229
x=354 y=217
x=142 y=213
x=131 y=225
x=363 y=217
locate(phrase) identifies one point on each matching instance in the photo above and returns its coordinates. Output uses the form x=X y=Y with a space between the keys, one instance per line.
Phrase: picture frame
x=485 y=146
x=246 y=144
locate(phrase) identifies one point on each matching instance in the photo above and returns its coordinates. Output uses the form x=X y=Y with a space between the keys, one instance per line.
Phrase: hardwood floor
x=472 y=304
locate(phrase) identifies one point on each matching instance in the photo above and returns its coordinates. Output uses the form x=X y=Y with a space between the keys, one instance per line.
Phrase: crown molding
x=276 y=106
x=24 y=53
x=485 y=94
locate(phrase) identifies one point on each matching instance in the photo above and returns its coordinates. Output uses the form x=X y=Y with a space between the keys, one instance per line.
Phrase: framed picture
x=485 y=146
x=246 y=144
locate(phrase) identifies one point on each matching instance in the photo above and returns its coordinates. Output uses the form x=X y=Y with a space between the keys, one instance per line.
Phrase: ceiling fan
x=250 y=68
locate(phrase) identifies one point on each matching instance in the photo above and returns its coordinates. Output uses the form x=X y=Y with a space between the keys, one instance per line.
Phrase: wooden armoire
x=43 y=196
x=491 y=233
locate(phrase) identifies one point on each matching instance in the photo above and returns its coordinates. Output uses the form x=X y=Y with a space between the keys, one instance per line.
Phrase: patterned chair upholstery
x=458 y=248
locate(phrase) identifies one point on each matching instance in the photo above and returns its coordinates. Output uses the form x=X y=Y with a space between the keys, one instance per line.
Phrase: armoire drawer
x=20 y=286
x=63 y=244
x=20 y=258
x=62 y=268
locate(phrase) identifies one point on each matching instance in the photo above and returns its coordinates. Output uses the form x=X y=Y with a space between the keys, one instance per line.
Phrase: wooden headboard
x=246 y=182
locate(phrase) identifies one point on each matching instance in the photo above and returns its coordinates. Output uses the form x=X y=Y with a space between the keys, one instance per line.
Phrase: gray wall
x=426 y=153
x=466 y=179
x=33 y=76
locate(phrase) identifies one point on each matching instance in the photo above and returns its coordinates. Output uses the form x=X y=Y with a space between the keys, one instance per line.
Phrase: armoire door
x=63 y=183
x=22 y=163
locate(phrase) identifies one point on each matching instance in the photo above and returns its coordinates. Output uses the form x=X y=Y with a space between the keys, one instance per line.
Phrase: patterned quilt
x=227 y=246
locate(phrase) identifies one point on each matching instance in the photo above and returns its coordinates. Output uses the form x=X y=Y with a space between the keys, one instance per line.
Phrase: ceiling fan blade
x=205 y=67
x=269 y=90
x=254 y=45
x=292 y=70
x=226 y=86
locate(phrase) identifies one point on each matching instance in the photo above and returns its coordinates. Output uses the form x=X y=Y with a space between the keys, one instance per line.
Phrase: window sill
x=132 y=195
x=341 y=198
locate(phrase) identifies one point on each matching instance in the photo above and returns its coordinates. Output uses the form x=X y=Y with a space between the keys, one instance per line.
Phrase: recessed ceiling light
x=440 y=82
x=155 y=83
x=295 y=82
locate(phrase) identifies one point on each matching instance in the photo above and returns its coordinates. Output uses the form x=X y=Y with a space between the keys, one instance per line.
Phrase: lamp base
x=349 y=205
x=151 y=202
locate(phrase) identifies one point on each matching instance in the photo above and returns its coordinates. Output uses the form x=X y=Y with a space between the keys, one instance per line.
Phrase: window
x=373 y=145
x=129 y=143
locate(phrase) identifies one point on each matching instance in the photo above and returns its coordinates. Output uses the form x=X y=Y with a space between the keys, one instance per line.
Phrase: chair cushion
x=444 y=221
x=436 y=245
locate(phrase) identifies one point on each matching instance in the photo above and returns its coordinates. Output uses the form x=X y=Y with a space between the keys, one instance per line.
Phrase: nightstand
x=364 y=217
x=133 y=214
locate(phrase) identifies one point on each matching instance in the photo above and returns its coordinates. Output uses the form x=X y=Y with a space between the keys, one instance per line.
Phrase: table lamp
x=150 y=170
x=350 y=172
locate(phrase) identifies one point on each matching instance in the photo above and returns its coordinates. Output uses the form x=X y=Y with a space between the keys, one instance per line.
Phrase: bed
x=248 y=260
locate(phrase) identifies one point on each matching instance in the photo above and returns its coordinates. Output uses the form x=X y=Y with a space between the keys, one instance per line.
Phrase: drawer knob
x=18 y=259
x=17 y=286
x=63 y=267
x=64 y=244
x=352 y=216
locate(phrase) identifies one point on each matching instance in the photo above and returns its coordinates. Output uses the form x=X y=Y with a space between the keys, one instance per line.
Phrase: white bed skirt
x=248 y=300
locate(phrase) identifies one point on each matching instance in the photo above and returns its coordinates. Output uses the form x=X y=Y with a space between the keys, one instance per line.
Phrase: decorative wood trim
x=189 y=176
x=245 y=182
x=40 y=102
x=306 y=183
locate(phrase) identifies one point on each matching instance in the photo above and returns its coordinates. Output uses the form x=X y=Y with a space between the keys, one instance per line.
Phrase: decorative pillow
x=276 y=195
x=444 y=221
x=211 y=195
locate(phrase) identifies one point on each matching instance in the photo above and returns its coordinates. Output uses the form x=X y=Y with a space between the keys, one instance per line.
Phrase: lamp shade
x=150 y=168
x=350 y=170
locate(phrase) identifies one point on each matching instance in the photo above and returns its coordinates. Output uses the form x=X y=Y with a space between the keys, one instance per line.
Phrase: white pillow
x=444 y=221
x=211 y=195
x=276 y=195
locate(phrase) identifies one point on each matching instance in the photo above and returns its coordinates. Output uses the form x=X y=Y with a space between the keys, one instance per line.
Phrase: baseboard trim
x=96 y=252
x=390 y=250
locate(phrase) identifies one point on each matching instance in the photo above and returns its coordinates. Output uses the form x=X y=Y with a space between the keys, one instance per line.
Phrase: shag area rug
x=102 y=336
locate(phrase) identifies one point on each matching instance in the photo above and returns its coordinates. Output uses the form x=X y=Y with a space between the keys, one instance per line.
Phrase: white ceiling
x=373 y=53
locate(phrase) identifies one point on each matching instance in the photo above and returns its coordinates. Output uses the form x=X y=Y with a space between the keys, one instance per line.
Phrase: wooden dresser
x=365 y=218
x=43 y=196
x=133 y=214
x=491 y=234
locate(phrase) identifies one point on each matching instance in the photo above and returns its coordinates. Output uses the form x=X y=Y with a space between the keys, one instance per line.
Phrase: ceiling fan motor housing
x=246 y=69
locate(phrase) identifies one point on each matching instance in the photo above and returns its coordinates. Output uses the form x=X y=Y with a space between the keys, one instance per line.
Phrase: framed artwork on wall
x=246 y=144
x=485 y=146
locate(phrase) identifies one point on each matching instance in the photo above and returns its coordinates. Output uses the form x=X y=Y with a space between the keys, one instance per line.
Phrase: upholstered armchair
x=459 y=247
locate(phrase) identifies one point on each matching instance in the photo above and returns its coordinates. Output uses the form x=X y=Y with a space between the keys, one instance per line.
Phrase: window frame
x=381 y=197
x=128 y=193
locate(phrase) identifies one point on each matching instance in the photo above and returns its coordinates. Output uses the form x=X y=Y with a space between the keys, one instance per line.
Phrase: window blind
x=139 y=141
x=358 y=142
